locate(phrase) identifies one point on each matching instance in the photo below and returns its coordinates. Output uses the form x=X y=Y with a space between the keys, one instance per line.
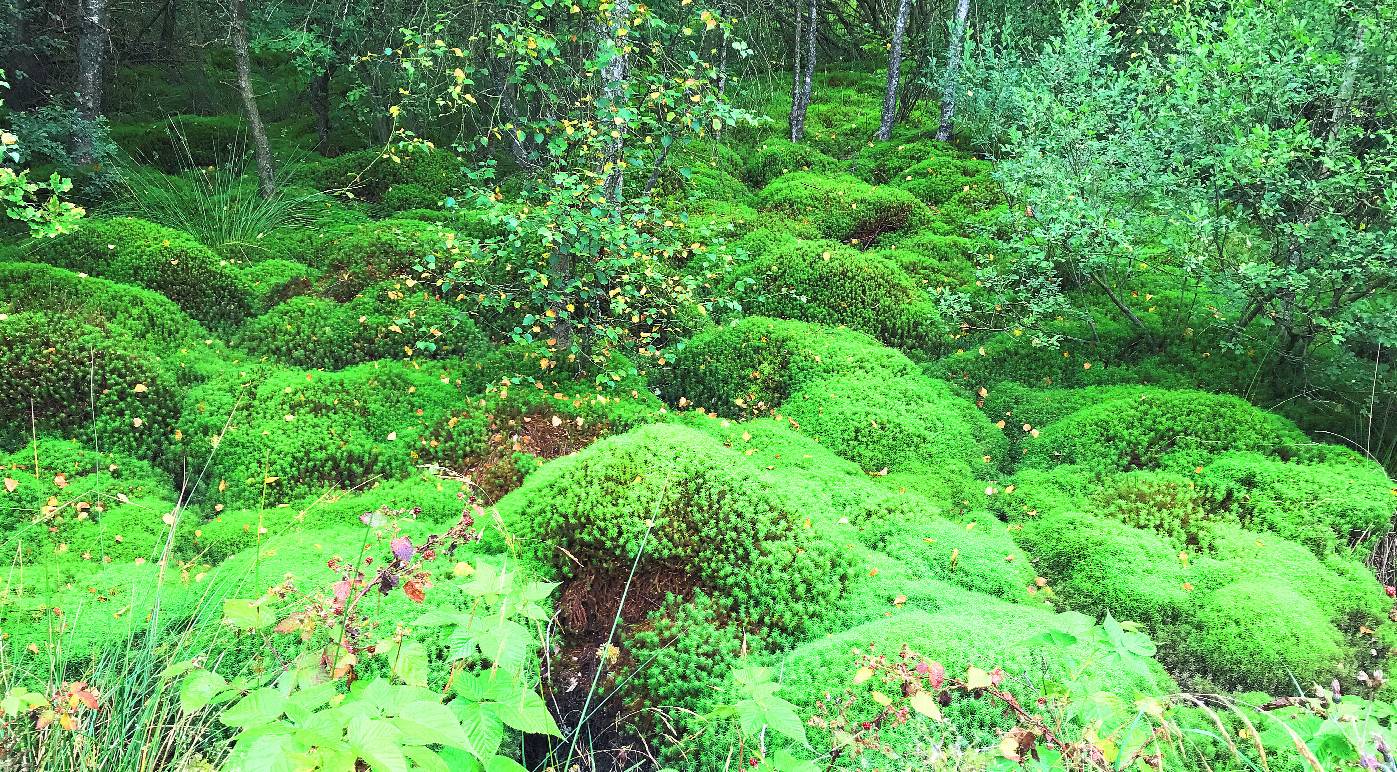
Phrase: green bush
x=711 y=516
x=1137 y=433
x=843 y=207
x=389 y=321
x=292 y=434
x=62 y=376
x=828 y=283
x=779 y=157
x=762 y=361
x=1322 y=506
x=147 y=255
x=898 y=424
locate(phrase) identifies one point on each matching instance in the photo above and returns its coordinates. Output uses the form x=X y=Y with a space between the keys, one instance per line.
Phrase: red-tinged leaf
x=402 y=548
x=416 y=588
x=937 y=674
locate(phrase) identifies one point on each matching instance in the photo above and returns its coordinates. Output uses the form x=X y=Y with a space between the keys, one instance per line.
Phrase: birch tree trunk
x=92 y=51
x=262 y=151
x=613 y=76
x=948 y=93
x=803 y=99
x=795 y=72
x=885 y=129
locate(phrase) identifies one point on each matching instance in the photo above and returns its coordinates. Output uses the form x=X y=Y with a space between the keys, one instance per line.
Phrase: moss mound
x=710 y=515
x=828 y=283
x=147 y=255
x=758 y=363
x=843 y=207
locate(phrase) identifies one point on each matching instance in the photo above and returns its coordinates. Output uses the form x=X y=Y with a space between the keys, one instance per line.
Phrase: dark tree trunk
x=318 y=94
x=167 y=28
x=262 y=151
x=92 y=49
x=803 y=100
x=885 y=129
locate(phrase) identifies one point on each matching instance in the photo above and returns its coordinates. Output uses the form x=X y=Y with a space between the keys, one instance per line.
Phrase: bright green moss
x=779 y=157
x=762 y=361
x=1323 y=506
x=184 y=141
x=73 y=510
x=943 y=175
x=147 y=255
x=827 y=283
x=879 y=162
x=968 y=629
x=710 y=515
x=1137 y=433
x=1171 y=505
x=898 y=424
x=389 y=320
x=843 y=207
x=374 y=174
x=292 y=433
x=1264 y=636
x=935 y=261
x=143 y=314
x=274 y=280
x=62 y=376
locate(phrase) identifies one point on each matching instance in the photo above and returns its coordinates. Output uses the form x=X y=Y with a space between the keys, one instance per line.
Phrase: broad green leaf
x=376 y=741
x=483 y=729
x=262 y=706
x=269 y=753
x=781 y=716
x=427 y=721
x=528 y=713
x=313 y=697
x=409 y=663
x=246 y=614
x=426 y=759
x=504 y=764
x=198 y=689
x=506 y=644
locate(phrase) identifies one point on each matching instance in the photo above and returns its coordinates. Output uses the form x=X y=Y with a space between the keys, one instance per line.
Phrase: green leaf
x=528 y=713
x=376 y=741
x=506 y=644
x=483 y=729
x=781 y=716
x=270 y=753
x=426 y=759
x=313 y=697
x=246 y=614
x=262 y=706
x=409 y=663
x=426 y=721
x=198 y=689
x=504 y=764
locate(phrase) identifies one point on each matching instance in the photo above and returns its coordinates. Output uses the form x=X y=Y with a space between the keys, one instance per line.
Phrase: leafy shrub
x=898 y=424
x=843 y=207
x=147 y=255
x=1191 y=427
x=827 y=283
x=1322 y=506
x=81 y=381
x=710 y=515
x=389 y=321
x=779 y=157
x=292 y=434
x=762 y=361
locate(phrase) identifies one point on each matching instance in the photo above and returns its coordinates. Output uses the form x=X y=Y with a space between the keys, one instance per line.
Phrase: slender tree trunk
x=167 y=28
x=803 y=102
x=885 y=129
x=318 y=94
x=613 y=76
x=92 y=50
x=796 y=41
x=262 y=151
x=948 y=94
